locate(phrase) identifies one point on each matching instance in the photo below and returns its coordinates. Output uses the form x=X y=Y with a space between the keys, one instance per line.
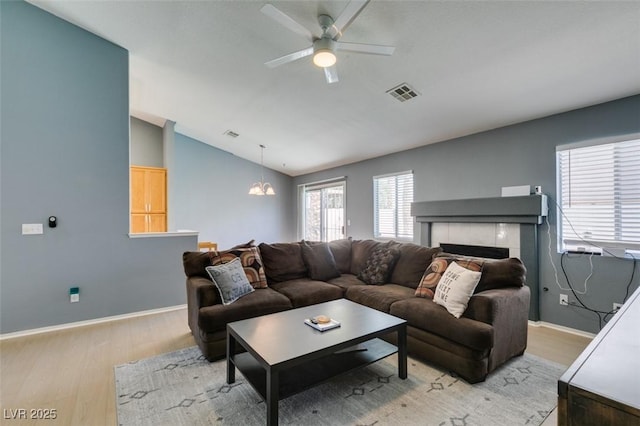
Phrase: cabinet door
x=157 y=223
x=138 y=191
x=156 y=182
x=138 y=223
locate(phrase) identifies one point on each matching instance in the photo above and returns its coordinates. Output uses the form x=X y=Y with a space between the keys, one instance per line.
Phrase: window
x=599 y=194
x=323 y=211
x=392 y=198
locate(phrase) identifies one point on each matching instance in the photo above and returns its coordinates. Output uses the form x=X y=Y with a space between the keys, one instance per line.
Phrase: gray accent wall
x=213 y=197
x=477 y=166
x=65 y=152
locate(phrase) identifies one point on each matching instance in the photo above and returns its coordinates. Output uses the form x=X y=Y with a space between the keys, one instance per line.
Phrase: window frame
x=406 y=209
x=320 y=185
x=616 y=205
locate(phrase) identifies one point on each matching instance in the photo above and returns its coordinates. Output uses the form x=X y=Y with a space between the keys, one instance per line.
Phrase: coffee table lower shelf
x=309 y=374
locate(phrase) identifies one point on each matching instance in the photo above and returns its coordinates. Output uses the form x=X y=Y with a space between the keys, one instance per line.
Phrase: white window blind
x=599 y=193
x=392 y=198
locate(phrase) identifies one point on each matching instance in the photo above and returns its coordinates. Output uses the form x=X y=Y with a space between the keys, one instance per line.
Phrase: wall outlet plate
x=564 y=299
x=32 y=229
x=617 y=307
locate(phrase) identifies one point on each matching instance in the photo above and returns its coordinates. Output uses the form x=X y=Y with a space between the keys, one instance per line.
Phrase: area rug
x=182 y=388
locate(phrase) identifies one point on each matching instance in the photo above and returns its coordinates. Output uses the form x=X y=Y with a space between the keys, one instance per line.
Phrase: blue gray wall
x=479 y=165
x=213 y=197
x=212 y=190
x=65 y=152
x=146 y=144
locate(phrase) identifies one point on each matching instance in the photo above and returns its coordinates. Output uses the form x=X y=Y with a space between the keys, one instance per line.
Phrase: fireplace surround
x=522 y=213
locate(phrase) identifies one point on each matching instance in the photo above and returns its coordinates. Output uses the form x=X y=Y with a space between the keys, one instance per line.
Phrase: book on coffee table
x=322 y=327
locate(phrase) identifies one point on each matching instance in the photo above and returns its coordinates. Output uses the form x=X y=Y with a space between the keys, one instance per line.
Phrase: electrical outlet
x=564 y=299
x=617 y=307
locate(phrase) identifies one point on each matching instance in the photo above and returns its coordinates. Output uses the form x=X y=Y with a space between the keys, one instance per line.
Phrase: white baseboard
x=562 y=328
x=178 y=307
x=89 y=322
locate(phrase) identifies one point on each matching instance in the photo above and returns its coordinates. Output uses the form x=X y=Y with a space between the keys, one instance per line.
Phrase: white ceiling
x=478 y=65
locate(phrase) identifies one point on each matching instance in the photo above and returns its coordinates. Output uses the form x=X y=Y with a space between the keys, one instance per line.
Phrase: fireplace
x=505 y=223
x=476 y=251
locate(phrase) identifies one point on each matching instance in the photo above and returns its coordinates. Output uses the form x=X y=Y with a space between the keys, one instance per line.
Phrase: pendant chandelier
x=262 y=187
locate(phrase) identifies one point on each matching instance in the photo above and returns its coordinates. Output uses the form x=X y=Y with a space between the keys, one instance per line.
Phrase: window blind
x=599 y=193
x=392 y=198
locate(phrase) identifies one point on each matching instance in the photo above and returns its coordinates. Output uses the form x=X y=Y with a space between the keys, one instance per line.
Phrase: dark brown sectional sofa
x=492 y=330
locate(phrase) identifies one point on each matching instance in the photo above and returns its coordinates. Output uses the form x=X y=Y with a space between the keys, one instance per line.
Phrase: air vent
x=403 y=92
x=231 y=133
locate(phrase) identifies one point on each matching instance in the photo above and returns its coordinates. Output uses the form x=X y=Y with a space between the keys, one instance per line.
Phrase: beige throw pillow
x=456 y=288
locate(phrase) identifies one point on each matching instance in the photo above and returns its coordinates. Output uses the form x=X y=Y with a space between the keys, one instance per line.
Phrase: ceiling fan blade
x=348 y=15
x=372 y=49
x=290 y=57
x=331 y=74
x=286 y=21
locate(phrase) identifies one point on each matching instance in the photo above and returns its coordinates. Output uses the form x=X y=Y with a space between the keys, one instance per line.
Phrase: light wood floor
x=71 y=371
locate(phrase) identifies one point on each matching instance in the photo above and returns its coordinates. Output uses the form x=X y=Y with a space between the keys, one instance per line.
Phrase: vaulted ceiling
x=476 y=65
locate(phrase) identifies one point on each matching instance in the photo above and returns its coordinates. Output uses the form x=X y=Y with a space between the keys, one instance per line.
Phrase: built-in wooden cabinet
x=148 y=199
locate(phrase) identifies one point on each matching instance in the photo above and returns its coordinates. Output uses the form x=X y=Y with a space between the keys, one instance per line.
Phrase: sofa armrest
x=490 y=306
x=200 y=293
x=507 y=310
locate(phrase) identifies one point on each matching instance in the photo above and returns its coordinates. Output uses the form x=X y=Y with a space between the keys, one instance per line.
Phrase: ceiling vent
x=403 y=92
x=231 y=133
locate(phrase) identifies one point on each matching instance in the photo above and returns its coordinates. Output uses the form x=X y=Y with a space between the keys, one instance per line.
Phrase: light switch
x=31 y=228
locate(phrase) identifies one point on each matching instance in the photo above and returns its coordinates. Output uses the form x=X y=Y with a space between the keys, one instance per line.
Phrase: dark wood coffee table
x=285 y=356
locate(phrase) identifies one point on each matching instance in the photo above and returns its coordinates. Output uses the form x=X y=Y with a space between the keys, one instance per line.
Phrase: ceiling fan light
x=324 y=58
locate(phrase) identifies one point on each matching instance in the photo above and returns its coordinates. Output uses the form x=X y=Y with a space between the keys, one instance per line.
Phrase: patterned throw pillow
x=230 y=280
x=379 y=265
x=250 y=260
x=455 y=288
x=431 y=277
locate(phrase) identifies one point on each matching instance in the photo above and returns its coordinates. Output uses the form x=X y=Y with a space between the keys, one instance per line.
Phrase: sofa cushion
x=319 y=261
x=438 y=266
x=378 y=297
x=283 y=261
x=502 y=273
x=413 y=261
x=261 y=302
x=230 y=280
x=360 y=252
x=496 y=273
x=345 y=281
x=341 y=250
x=195 y=262
x=305 y=292
x=428 y=316
x=251 y=263
x=456 y=288
x=380 y=265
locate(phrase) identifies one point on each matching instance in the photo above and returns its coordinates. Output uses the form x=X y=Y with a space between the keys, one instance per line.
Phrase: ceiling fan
x=324 y=48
